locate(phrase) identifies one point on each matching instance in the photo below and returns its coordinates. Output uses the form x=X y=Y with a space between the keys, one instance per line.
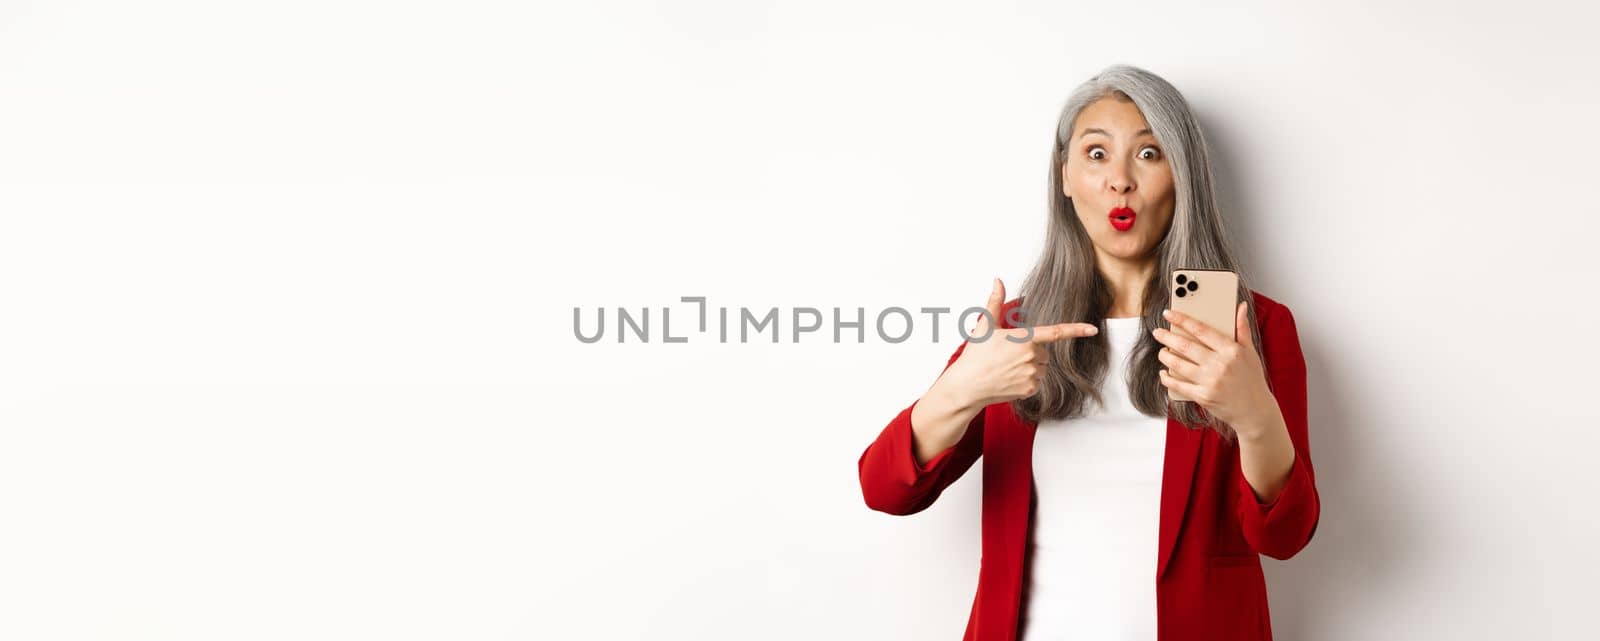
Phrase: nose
x=1119 y=180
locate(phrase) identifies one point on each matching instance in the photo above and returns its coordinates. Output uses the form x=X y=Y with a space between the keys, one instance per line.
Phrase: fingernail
x=1094 y=330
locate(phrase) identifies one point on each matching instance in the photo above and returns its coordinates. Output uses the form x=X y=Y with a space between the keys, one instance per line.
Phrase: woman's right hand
x=1009 y=364
x=993 y=367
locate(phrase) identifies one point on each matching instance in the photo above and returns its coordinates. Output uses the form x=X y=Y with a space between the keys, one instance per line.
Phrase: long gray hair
x=1065 y=285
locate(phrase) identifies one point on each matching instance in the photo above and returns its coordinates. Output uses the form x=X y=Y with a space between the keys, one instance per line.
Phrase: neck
x=1127 y=280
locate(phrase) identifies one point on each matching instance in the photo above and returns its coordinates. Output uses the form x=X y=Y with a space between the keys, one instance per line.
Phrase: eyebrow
x=1094 y=130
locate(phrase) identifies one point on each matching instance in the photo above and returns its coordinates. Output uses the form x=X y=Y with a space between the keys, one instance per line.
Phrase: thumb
x=997 y=300
x=1242 y=326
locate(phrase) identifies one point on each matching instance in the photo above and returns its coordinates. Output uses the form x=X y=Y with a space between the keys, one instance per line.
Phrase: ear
x=1066 y=187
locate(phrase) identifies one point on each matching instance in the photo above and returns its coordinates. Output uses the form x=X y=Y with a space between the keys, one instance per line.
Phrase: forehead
x=1118 y=118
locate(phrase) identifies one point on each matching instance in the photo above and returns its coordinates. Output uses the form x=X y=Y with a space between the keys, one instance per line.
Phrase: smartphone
x=1208 y=295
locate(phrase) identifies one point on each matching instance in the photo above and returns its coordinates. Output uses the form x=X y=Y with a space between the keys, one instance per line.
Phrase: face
x=1113 y=164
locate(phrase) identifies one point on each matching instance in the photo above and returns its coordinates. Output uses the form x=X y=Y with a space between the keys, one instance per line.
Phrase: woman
x=1109 y=511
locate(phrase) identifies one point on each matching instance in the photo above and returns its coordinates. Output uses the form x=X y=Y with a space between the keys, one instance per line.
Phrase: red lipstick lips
x=1122 y=218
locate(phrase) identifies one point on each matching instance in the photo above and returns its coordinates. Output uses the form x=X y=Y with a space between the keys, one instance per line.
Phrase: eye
x=1094 y=149
x=1149 y=153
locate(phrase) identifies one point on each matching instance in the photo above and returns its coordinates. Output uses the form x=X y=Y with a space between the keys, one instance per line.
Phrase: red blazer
x=1212 y=527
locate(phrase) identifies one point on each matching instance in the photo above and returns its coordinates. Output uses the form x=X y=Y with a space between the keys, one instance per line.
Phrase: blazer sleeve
x=891 y=479
x=1283 y=526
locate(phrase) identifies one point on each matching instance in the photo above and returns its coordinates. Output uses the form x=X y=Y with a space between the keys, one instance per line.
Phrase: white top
x=1092 y=565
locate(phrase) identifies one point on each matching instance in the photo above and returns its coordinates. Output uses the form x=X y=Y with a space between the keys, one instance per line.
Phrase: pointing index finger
x=1059 y=331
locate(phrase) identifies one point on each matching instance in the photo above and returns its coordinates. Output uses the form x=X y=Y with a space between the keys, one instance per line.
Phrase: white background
x=286 y=293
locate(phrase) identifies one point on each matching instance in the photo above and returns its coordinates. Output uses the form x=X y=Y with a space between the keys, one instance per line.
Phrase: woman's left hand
x=1223 y=375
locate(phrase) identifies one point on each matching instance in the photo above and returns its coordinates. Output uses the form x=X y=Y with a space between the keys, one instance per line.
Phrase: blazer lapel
x=1018 y=490
x=1015 y=474
x=1177 y=476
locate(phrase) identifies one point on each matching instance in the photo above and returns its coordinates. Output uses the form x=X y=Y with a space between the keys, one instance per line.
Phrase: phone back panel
x=1209 y=295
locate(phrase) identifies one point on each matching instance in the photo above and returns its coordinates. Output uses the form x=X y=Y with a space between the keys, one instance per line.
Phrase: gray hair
x=1066 y=287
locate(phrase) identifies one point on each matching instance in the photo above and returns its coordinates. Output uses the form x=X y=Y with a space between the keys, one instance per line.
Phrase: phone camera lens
x=1193 y=285
x=1181 y=292
x=1182 y=279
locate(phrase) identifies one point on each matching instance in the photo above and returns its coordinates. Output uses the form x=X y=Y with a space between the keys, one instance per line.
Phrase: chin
x=1127 y=248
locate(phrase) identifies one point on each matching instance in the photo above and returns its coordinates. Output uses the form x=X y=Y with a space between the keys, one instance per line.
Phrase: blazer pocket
x=1250 y=558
